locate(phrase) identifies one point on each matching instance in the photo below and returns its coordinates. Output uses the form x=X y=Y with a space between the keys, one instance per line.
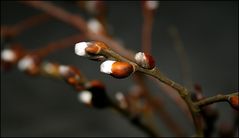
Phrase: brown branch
x=76 y=83
x=14 y=30
x=58 y=45
x=156 y=73
x=214 y=99
x=183 y=92
x=59 y=13
x=148 y=18
x=79 y=23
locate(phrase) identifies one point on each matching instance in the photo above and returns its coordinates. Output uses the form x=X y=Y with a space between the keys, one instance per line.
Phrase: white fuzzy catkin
x=8 y=55
x=151 y=4
x=48 y=67
x=25 y=63
x=141 y=59
x=106 y=66
x=121 y=98
x=95 y=26
x=85 y=97
x=80 y=48
x=63 y=69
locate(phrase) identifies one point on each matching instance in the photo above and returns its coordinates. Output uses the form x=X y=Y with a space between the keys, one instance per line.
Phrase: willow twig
x=183 y=57
x=14 y=30
x=214 y=99
x=156 y=73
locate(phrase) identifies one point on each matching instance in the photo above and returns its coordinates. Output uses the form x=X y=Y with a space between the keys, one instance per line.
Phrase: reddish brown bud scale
x=234 y=101
x=79 y=87
x=96 y=83
x=121 y=69
x=150 y=61
x=92 y=49
x=95 y=47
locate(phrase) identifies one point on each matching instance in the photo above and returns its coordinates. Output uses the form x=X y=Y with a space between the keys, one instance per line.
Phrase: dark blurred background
x=39 y=106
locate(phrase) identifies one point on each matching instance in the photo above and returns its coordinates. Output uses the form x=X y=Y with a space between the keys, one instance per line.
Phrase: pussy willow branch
x=58 y=45
x=214 y=99
x=65 y=16
x=68 y=41
x=77 y=22
x=14 y=30
x=183 y=92
x=136 y=121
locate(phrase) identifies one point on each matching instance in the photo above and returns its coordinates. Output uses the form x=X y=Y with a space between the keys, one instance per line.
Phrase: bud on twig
x=144 y=60
x=234 y=101
x=96 y=27
x=122 y=100
x=90 y=49
x=95 y=47
x=95 y=95
x=29 y=64
x=71 y=75
x=151 y=4
x=50 y=69
x=11 y=56
x=117 y=69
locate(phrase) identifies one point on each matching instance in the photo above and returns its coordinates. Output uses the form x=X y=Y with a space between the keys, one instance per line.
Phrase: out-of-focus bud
x=71 y=74
x=51 y=69
x=150 y=5
x=234 y=101
x=96 y=27
x=30 y=64
x=10 y=56
x=94 y=95
x=121 y=99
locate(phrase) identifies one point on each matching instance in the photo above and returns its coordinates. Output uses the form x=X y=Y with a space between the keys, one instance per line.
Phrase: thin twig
x=214 y=99
x=156 y=73
x=79 y=23
x=58 y=45
x=183 y=57
x=148 y=18
x=14 y=30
